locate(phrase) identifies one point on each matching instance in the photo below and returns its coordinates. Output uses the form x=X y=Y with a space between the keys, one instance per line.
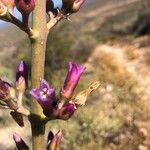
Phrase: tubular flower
x=20 y=144
x=74 y=73
x=45 y=96
x=53 y=141
x=25 y=6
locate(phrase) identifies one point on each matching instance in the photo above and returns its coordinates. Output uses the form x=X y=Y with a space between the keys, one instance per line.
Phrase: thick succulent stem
x=37 y=72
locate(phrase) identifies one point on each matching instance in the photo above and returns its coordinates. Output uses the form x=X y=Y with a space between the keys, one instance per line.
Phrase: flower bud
x=77 y=5
x=4 y=90
x=50 y=136
x=22 y=74
x=20 y=85
x=67 y=110
x=65 y=6
x=74 y=73
x=3 y=9
x=54 y=140
x=20 y=144
x=7 y=94
x=25 y=6
x=52 y=5
x=9 y=4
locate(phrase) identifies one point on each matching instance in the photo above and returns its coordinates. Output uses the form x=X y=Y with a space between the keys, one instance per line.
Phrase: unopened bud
x=20 y=85
x=67 y=110
x=22 y=73
x=54 y=140
x=25 y=6
x=20 y=144
x=3 y=9
x=77 y=5
x=4 y=90
x=9 y=4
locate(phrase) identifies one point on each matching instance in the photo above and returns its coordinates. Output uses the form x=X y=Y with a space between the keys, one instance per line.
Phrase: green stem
x=37 y=71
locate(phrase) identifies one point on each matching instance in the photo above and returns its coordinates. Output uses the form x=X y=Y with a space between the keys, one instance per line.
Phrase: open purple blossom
x=20 y=144
x=74 y=73
x=22 y=71
x=45 y=96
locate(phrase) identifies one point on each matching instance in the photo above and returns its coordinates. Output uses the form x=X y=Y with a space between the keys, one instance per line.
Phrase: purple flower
x=45 y=96
x=4 y=90
x=67 y=110
x=21 y=145
x=74 y=73
x=25 y=6
x=22 y=71
x=54 y=140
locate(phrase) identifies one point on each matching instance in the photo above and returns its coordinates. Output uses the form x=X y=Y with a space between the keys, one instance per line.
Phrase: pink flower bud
x=20 y=144
x=20 y=85
x=22 y=73
x=67 y=110
x=9 y=4
x=4 y=90
x=25 y=6
x=65 y=6
x=3 y=9
x=77 y=5
x=54 y=140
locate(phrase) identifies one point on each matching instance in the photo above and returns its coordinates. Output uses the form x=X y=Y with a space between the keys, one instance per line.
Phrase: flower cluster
x=55 y=105
x=11 y=96
x=65 y=104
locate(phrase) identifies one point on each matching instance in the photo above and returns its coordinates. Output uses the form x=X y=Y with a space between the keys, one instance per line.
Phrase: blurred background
x=111 y=38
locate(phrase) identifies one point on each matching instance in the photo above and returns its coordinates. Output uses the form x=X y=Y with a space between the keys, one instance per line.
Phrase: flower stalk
x=37 y=71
